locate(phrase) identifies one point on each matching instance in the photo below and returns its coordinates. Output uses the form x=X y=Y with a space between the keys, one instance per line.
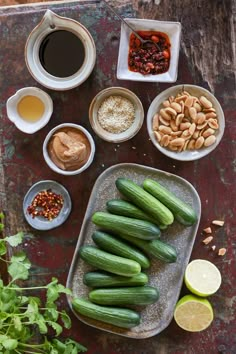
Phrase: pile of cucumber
x=135 y=228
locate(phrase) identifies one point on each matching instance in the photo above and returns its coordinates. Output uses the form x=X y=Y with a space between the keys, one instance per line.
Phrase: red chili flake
x=46 y=204
x=149 y=59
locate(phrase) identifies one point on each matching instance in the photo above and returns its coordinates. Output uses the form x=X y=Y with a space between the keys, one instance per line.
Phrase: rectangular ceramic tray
x=166 y=277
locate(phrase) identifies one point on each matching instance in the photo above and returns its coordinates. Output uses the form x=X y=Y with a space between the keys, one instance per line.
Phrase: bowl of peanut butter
x=68 y=149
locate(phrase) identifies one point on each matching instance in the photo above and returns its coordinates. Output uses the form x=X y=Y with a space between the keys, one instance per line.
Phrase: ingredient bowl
x=40 y=222
x=170 y=29
x=114 y=109
x=185 y=122
x=30 y=109
x=68 y=149
x=42 y=58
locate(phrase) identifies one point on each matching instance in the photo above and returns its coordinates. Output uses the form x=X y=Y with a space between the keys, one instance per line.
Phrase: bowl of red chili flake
x=46 y=205
x=155 y=61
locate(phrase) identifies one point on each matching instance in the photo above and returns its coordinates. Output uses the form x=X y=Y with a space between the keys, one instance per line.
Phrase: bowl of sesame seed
x=116 y=114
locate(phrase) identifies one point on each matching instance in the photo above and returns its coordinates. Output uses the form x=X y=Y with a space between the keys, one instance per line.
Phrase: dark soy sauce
x=61 y=53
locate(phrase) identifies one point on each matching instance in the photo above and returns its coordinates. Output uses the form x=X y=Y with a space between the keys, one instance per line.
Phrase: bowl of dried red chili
x=46 y=205
x=157 y=62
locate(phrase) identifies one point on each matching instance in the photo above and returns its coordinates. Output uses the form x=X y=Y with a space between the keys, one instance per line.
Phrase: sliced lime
x=202 y=277
x=193 y=314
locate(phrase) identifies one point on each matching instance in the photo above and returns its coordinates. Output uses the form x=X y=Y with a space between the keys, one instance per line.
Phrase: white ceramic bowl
x=156 y=105
x=132 y=130
x=20 y=123
x=48 y=24
x=172 y=29
x=38 y=222
x=51 y=164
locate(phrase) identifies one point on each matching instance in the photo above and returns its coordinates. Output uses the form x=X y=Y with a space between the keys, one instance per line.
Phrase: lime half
x=193 y=314
x=202 y=277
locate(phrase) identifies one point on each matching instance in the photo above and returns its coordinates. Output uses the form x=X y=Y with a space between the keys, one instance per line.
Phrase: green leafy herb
x=23 y=318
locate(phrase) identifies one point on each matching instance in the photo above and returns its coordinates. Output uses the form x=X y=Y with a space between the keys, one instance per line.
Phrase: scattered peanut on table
x=185 y=122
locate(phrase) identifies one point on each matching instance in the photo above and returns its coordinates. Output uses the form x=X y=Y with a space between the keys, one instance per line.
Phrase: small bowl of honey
x=30 y=109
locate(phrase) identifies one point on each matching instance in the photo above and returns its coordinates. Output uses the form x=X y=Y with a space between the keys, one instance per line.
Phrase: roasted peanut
x=155 y=122
x=192 y=128
x=173 y=126
x=193 y=113
x=184 y=126
x=218 y=222
x=178 y=133
x=196 y=134
x=177 y=142
x=199 y=142
x=171 y=111
x=164 y=114
x=201 y=126
x=201 y=117
x=191 y=144
x=207 y=230
x=213 y=123
x=189 y=102
x=176 y=106
x=157 y=136
x=210 y=140
x=208 y=240
x=210 y=115
x=165 y=140
x=181 y=98
x=164 y=129
x=179 y=119
x=208 y=132
x=205 y=102
x=164 y=121
x=197 y=106
x=221 y=251
x=166 y=103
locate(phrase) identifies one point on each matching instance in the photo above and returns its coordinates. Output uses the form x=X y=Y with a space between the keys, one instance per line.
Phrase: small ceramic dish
x=39 y=222
x=51 y=22
x=138 y=111
x=48 y=159
x=13 y=113
x=193 y=154
x=173 y=31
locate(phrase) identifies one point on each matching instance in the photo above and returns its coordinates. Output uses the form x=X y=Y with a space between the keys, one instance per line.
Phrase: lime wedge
x=202 y=277
x=193 y=314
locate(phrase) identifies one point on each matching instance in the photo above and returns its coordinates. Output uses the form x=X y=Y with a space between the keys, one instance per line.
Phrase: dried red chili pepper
x=46 y=204
x=149 y=59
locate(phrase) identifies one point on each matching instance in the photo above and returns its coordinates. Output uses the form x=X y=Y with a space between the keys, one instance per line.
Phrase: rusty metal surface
x=207 y=58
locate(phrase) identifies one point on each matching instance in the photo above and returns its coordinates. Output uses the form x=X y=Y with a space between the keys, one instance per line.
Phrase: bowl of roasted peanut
x=185 y=122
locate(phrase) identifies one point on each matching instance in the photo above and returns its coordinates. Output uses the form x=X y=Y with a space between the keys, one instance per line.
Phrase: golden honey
x=31 y=108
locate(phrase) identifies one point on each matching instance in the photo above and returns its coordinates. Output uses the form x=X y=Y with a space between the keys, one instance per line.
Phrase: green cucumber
x=113 y=245
x=145 y=201
x=122 y=225
x=124 y=318
x=124 y=208
x=109 y=262
x=155 y=248
x=139 y=295
x=101 y=280
x=182 y=212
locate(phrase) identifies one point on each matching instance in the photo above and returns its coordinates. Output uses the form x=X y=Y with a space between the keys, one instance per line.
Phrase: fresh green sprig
x=24 y=317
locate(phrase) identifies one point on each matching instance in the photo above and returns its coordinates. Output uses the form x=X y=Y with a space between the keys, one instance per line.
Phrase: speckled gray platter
x=166 y=277
x=40 y=223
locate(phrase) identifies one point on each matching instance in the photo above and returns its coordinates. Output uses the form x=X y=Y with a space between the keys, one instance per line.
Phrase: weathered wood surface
x=207 y=58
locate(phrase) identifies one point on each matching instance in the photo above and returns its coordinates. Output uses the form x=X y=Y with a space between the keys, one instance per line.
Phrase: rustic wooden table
x=207 y=58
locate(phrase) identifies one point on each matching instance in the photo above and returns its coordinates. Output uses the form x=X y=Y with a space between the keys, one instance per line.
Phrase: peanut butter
x=69 y=149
